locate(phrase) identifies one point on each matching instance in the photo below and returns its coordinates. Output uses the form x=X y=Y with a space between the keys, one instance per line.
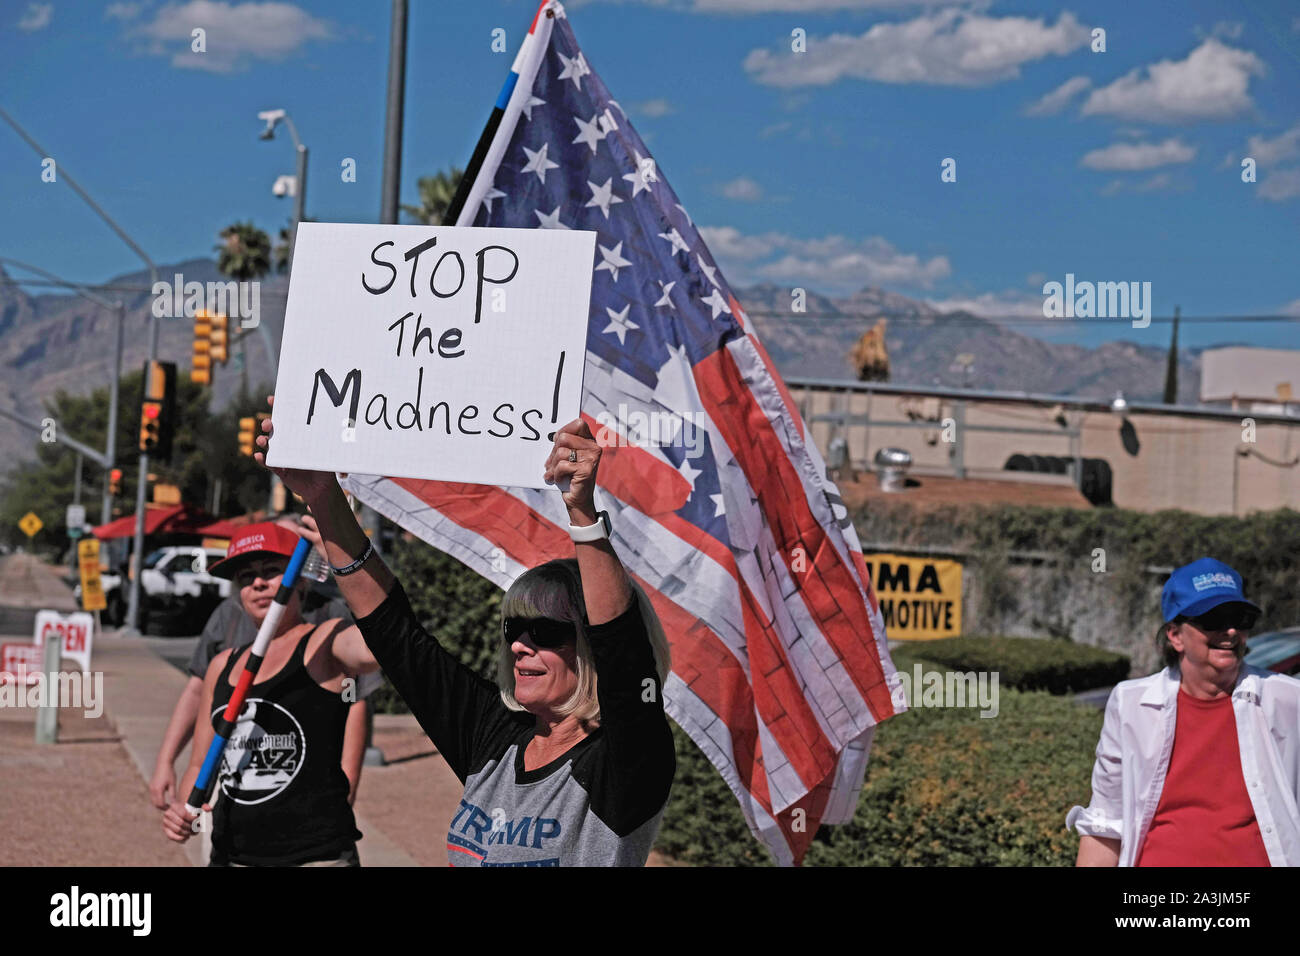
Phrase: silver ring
x=573 y=455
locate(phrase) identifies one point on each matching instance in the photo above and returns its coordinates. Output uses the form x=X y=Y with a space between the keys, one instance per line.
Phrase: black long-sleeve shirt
x=598 y=804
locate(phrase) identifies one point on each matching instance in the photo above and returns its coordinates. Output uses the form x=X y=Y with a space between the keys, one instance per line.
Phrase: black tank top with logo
x=284 y=795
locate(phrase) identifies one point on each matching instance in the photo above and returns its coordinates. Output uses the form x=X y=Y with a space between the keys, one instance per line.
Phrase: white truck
x=175 y=588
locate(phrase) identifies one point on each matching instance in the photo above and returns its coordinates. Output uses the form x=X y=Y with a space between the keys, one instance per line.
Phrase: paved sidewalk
x=84 y=800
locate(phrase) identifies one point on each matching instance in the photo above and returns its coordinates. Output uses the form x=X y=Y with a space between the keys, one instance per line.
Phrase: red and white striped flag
x=720 y=504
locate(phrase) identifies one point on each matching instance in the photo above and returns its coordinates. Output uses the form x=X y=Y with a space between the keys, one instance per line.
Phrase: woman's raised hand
x=309 y=485
x=576 y=456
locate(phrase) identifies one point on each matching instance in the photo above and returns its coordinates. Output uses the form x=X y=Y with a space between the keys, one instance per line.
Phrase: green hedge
x=949 y=788
x=1027 y=663
x=943 y=788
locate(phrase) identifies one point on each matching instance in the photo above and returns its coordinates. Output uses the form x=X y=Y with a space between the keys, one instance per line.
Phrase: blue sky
x=818 y=168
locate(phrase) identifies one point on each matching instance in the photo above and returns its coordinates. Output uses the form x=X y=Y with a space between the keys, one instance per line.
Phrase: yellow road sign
x=30 y=524
x=92 y=590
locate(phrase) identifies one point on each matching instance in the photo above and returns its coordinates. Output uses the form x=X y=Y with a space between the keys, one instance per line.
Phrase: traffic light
x=211 y=344
x=220 y=338
x=202 y=373
x=247 y=436
x=158 y=409
x=115 y=482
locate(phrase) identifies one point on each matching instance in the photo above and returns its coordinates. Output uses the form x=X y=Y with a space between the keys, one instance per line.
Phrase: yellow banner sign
x=920 y=598
x=92 y=591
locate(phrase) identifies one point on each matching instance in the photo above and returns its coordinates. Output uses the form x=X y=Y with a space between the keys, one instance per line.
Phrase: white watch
x=593 y=532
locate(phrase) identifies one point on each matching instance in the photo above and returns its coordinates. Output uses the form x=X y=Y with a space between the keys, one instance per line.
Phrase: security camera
x=271 y=117
x=285 y=186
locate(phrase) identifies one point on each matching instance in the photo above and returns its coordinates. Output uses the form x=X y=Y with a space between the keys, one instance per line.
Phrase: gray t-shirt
x=231 y=627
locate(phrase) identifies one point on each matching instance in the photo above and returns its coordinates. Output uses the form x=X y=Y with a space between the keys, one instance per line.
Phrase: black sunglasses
x=1226 y=616
x=542 y=631
x=266 y=570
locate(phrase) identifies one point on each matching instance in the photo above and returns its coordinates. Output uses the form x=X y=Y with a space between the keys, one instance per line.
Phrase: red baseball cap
x=252 y=541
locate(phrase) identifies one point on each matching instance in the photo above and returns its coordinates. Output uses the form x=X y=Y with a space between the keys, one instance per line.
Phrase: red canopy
x=163 y=519
x=224 y=528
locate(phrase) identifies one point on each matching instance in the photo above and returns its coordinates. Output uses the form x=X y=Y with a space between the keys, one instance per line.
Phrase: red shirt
x=1204 y=817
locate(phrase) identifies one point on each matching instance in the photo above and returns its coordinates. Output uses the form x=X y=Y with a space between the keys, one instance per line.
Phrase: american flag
x=781 y=670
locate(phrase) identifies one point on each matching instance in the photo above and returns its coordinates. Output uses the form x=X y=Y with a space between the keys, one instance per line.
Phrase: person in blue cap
x=1198 y=764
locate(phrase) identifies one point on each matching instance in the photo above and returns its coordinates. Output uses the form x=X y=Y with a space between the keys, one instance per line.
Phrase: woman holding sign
x=568 y=759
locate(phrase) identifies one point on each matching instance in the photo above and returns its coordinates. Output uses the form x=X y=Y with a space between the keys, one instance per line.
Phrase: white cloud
x=123 y=11
x=1149 y=185
x=1267 y=152
x=1212 y=83
x=949 y=47
x=833 y=263
x=743 y=188
x=1133 y=156
x=763 y=6
x=1281 y=185
x=1059 y=98
x=994 y=305
x=1292 y=307
x=36 y=17
x=796 y=6
x=1232 y=29
x=235 y=33
x=654 y=108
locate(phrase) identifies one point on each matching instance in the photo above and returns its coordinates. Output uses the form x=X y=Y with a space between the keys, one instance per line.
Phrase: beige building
x=1258 y=380
x=1151 y=457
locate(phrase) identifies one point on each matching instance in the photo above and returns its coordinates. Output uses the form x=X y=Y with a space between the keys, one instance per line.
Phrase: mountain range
x=51 y=341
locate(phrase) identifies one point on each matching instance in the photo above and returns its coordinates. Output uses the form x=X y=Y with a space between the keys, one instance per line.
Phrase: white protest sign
x=75 y=631
x=449 y=353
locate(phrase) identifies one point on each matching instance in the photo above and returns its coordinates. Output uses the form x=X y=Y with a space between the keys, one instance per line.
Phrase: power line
x=947 y=319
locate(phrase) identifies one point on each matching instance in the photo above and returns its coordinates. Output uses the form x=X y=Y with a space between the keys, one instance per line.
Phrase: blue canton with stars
x=574 y=162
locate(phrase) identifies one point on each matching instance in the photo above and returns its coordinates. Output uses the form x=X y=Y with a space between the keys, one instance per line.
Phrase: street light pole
x=391 y=184
x=299 y=213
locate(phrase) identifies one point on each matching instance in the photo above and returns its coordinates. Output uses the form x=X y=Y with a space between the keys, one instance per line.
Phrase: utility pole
x=1171 y=366
x=388 y=204
x=391 y=186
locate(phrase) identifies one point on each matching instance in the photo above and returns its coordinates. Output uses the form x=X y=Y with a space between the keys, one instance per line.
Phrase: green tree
x=204 y=450
x=244 y=255
x=245 y=252
x=436 y=194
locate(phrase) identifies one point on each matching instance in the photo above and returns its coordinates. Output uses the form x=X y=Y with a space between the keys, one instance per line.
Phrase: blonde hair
x=554 y=590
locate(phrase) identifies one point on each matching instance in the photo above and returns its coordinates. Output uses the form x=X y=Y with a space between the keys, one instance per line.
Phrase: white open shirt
x=1138 y=737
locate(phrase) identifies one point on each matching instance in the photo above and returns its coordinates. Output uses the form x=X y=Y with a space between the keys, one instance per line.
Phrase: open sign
x=75 y=632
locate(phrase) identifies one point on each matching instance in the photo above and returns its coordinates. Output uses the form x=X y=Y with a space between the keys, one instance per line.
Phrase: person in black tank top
x=283 y=790
x=283 y=794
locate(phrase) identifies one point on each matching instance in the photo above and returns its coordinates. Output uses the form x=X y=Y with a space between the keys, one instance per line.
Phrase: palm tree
x=246 y=252
x=282 y=246
x=245 y=256
x=436 y=194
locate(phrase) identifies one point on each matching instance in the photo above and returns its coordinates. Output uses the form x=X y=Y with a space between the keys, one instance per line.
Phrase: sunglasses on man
x=1225 y=617
x=542 y=631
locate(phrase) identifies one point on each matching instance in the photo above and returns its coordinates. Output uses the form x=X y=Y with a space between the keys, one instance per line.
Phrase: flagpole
x=489 y=133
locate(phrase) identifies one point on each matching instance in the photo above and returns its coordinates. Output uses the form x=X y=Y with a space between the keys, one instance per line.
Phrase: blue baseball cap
x=1200 y=586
